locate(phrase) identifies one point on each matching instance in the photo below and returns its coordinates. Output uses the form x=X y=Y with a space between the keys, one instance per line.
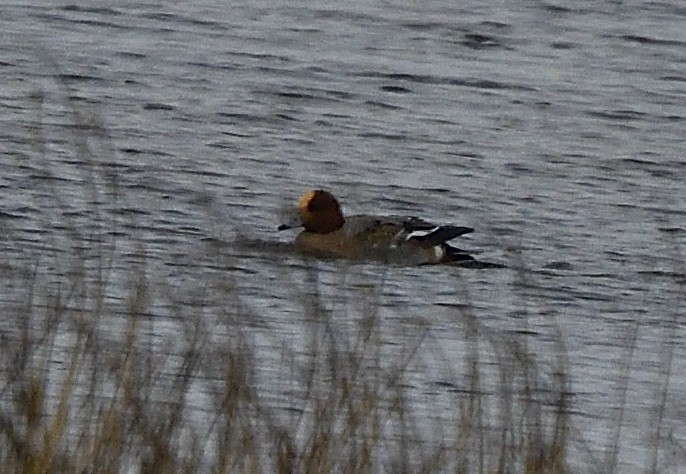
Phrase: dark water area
x=555 y=131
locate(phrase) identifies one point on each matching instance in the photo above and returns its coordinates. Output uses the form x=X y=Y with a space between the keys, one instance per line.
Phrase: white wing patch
x=421 y=233
x=439 y=252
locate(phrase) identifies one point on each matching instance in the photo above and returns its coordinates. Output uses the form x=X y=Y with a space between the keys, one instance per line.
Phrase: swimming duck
x=393 y=239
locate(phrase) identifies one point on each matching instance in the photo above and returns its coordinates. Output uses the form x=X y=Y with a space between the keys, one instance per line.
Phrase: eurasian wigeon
x=393 y=239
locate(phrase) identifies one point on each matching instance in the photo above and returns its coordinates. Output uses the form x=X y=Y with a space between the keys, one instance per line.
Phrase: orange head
x=320 y=212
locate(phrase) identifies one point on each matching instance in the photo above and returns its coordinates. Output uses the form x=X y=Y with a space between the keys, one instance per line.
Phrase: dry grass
x=77 y=399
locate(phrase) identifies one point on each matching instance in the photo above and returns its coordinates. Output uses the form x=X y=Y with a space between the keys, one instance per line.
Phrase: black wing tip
x=441 y=234
x=462 y=230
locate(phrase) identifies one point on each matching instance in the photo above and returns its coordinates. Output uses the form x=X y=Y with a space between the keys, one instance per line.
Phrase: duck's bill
x=289 y=217
x=290 y=224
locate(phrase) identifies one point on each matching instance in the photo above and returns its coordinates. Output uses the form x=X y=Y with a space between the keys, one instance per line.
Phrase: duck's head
x=319 y=212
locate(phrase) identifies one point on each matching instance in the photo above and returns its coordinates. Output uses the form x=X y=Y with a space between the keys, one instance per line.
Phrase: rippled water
x=557 y=132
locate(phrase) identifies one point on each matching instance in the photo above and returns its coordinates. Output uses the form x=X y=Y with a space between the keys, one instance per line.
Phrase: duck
x=393 y=239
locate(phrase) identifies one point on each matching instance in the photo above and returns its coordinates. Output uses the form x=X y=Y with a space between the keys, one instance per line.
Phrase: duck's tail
x=462 y=259
x=454 y=254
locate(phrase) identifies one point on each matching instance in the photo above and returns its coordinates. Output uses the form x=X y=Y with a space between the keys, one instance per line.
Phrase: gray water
x=555 y=131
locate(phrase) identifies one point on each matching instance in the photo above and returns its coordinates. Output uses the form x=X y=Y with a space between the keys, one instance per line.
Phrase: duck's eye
x=315 y=205
x=319 y=202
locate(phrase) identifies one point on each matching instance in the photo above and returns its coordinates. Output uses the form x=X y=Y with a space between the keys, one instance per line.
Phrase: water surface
x=555 y=131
